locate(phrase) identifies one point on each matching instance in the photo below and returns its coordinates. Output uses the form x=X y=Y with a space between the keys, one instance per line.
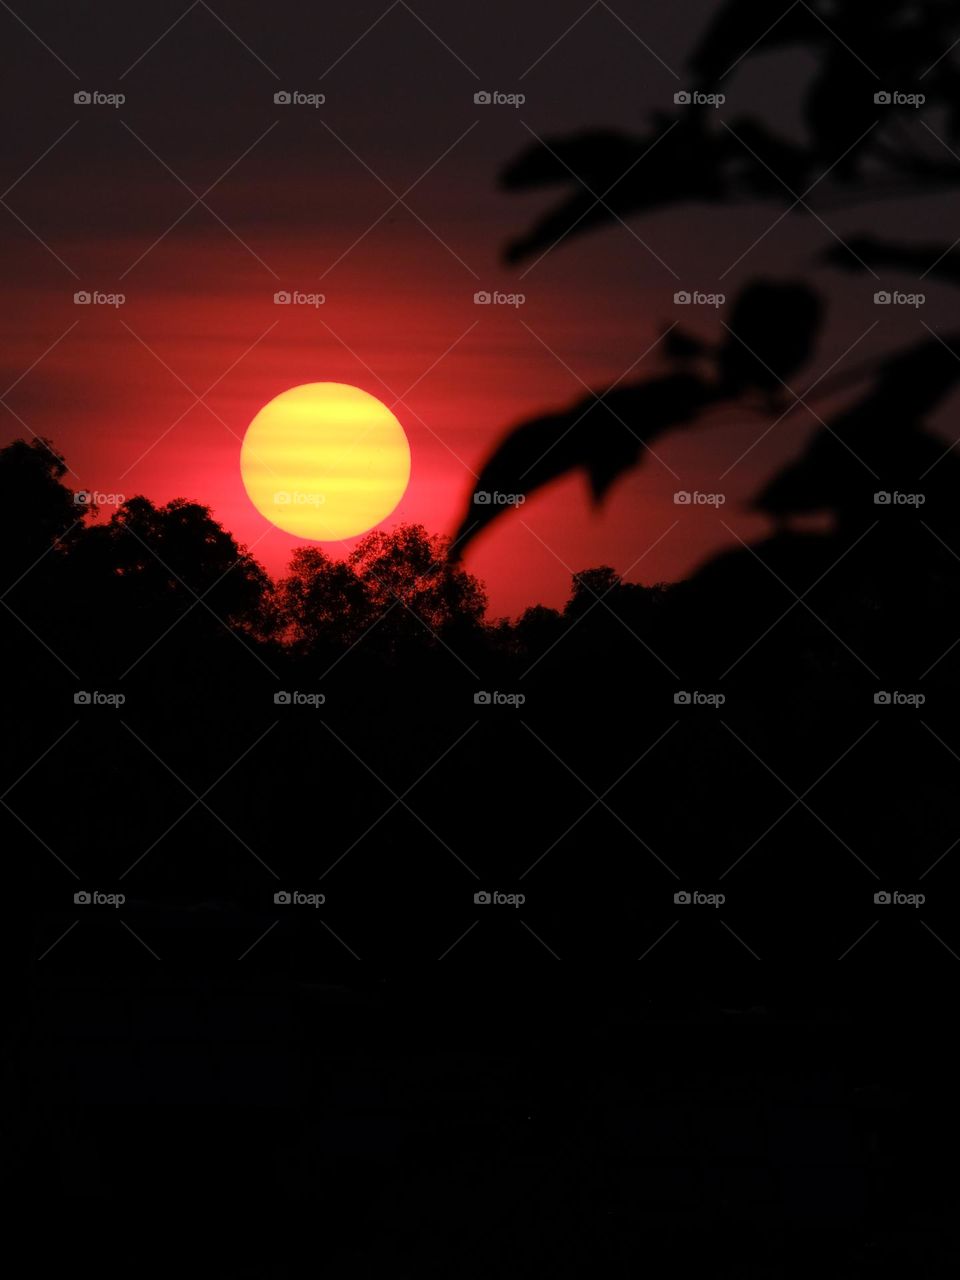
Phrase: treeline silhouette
x=704 y=708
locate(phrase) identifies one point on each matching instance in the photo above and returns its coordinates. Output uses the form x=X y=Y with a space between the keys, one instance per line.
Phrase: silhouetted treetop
x=36 y=508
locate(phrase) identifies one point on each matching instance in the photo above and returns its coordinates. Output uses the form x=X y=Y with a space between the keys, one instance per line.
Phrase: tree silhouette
x=407 y=571
x=321 y=601
x=37 y=511
x=163 y=558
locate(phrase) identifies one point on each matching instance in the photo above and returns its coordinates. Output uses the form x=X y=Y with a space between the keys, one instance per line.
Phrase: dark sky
x=301 y=201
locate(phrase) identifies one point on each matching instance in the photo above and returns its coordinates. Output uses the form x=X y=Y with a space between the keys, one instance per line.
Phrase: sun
x=325 y=461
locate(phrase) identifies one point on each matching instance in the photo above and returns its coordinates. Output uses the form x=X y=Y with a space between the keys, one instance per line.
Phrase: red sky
x=101 y=210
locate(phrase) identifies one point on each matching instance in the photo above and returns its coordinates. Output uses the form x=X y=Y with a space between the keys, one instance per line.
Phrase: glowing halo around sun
x=325 y=461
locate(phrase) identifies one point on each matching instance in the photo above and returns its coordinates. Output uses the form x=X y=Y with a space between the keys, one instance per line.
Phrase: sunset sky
x=103 y=198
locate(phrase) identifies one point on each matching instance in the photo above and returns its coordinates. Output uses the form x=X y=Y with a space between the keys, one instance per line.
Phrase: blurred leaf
x=772 y=333
x=602 y=437
x=679 y=345
x=617 y=177
x=939 y=260
x=598 y=156
x=743 y=27
x=754 y=151
x=878 y=443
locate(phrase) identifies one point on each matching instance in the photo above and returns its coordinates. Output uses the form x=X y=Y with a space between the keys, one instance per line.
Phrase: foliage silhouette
x=694 y=156
x=606 y=434
x=400 y=582
x=38 y=511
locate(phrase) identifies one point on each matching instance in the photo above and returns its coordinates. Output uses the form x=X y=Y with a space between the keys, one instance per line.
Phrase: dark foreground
x=492 y=1128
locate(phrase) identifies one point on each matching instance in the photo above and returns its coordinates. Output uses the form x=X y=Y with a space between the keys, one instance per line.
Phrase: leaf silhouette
x=598 y=156
x=939 y=260
x=745 y=26
x=617 y=176
x=770 y=335
x=601 y=435
x=764 y=164
x=679 y=345
x=878 y=443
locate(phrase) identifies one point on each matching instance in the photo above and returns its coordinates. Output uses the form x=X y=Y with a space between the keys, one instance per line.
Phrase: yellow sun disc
x=325 y=461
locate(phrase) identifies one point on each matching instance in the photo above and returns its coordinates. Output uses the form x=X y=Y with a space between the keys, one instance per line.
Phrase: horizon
x=117 y=387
